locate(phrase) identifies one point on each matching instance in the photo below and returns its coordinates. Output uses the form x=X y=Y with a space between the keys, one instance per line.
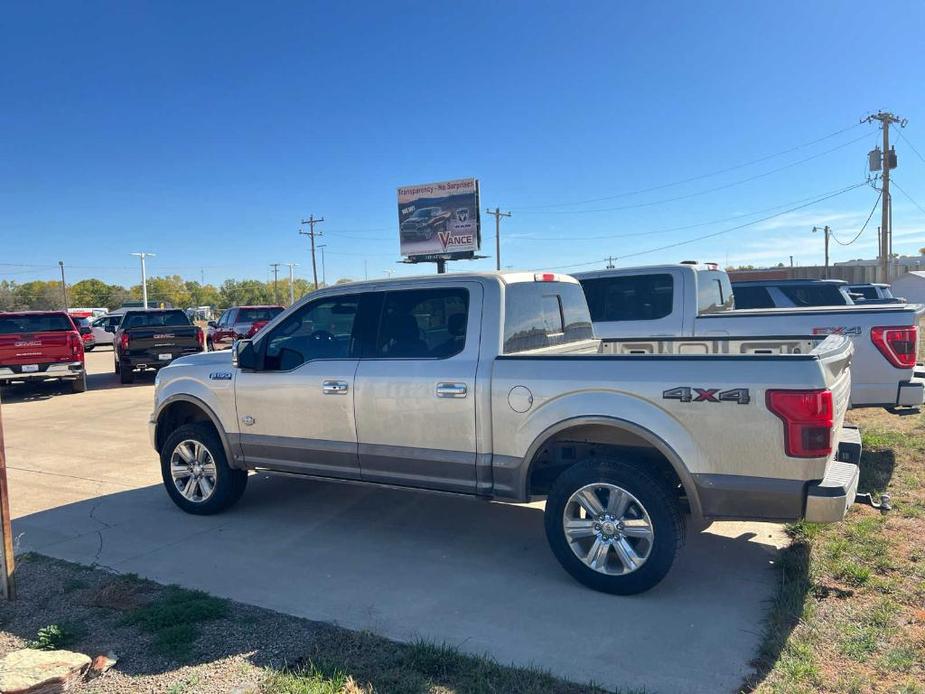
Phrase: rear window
x=544 y=314
x=52 y=322
x=153 y=319
x=814 y=294
x=629 y=298
x=752 y=297
x=866 y=292
x=714 y=292
x=249 y=315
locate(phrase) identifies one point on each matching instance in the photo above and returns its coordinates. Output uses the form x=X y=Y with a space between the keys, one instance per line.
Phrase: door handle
x=334 y=387
x=451 y=390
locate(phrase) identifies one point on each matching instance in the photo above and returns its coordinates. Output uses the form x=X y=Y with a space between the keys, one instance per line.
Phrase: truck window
x=423 y=324
x=52 y=322
x=714 y=292
x=322 y=329
x=814 y=294
x=544 y=314
x=866 y=292
x=154 y=319
x=249 y=315
x=752 y=297
x=629 y=298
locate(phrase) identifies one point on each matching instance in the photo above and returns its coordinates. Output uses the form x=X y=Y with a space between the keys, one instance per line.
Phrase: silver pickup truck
x=692 y=300
x=493 y=386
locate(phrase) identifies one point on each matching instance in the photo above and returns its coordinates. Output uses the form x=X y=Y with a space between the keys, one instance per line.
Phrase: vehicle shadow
x=31 y=392
x=105 y=381
x=877 y=467
x=410 y=565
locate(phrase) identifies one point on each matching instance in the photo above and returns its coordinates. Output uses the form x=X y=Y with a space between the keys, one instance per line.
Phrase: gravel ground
x=229 y=655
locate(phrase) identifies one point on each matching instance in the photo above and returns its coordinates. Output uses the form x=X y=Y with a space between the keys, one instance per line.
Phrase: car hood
x=222 y=358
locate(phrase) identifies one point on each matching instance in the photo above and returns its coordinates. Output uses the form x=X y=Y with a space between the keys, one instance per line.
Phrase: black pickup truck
x=152 y=339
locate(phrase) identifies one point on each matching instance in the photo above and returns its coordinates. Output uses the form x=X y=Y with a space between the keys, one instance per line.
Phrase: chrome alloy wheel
x=608 y=529
x=192 y=468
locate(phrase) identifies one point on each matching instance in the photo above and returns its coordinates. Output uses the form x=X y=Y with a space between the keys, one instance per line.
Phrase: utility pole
x=311 y=233
x=889 y=161
x=498 y=214
x=610 y=263
x=275 y=267
x=144 y=277
x=291 y=285
x=828 y=232
x=321 y=247
x=63 y=284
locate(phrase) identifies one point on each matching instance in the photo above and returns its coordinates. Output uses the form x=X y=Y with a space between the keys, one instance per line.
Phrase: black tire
x=229 y=484
x=79 y=385
x=651 y=491
x=126 y=375
x=209 y=346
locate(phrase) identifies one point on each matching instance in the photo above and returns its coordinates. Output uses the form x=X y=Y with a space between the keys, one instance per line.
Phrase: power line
x=909 y=197
x=858 y=235
x=912 y=146
x=705 y=175
x=723 y=231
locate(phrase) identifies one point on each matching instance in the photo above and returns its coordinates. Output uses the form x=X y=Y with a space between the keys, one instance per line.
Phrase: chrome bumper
x=58 y=370
x=828 y=501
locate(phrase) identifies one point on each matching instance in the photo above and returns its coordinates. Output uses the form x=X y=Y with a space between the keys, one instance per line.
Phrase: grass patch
x=173 y=619
x=847 y=614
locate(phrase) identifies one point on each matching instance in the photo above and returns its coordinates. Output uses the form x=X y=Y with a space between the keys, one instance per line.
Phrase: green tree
x=89 y=292
x=8 y=299
x=40 y=295
x=170 y=289
x=244 y=292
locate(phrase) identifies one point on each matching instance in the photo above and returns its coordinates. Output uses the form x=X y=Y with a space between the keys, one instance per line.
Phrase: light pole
x=144 y=277
x=324 y=281
x=63 y=283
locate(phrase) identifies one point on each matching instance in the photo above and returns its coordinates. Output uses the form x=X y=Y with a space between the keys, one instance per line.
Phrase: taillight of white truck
x=808 y=417
x=899 y=344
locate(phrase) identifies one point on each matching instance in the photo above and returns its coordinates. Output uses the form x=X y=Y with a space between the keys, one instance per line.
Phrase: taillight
x=255 y=326
x=123 y=342
x=898 y=344
x=76 y=345
x=200 y=338
x=808 y=417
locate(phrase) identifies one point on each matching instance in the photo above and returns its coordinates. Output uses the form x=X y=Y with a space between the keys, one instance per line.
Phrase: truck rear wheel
x=196 y=472
x=80 y=384
x=613 y=527
x=126 y=375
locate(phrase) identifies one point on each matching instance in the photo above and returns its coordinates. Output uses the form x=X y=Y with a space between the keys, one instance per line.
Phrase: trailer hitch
x=883 y=505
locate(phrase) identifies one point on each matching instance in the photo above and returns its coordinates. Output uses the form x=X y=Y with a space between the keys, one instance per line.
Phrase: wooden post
x=7 y=562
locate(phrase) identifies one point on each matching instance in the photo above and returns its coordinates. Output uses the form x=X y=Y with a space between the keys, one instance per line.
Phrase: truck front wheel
x=196 y=473
x=613 y=527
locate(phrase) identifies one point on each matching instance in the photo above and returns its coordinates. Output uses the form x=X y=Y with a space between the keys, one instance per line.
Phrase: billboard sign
x=439 y=220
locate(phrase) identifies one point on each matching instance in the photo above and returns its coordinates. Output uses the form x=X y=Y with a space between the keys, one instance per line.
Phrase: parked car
x=424 y=224
x=493 y=385
x=874 y=294
x=41 y=345
x=238 y=323
x=104 y=328
x=791 y=293
x=86 y=332
x=152 y=339
x=689 y=300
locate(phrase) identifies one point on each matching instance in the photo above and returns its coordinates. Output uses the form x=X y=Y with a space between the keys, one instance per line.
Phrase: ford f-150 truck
x=152 y=339
x=41 y=345
x=691 y=300
x=493 y=385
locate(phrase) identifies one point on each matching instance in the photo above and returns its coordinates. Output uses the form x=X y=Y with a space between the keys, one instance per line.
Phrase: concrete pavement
x=85 y=487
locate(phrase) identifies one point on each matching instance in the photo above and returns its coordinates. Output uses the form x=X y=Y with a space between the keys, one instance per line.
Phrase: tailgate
x=835 y=354
x=180 y=339
x=34 y=348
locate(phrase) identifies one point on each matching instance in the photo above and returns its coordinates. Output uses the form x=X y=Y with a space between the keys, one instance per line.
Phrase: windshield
x=37 y=323
x=267 y=313
x=425 y=212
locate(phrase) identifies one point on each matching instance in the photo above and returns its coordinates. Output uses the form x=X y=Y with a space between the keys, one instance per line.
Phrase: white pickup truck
x=493 y=386
x=630 y=305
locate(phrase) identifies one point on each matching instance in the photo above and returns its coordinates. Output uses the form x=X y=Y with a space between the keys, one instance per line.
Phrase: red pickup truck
x=41 y=345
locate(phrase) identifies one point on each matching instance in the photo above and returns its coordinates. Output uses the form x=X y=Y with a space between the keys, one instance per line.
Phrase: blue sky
x=204 y=131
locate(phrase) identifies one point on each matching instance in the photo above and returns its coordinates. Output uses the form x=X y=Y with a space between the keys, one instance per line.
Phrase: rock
x=101 y=664
x=31 y=671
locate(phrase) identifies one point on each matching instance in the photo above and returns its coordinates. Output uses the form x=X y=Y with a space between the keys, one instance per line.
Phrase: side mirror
x=110 y=329
x=213 y=324
x=84 y=330
x=244 y=356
